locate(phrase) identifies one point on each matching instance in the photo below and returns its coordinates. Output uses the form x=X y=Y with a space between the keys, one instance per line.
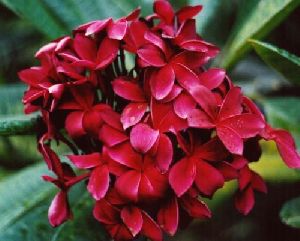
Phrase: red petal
x=244 y=201
x=164 y=154
x=99 y=182
x=176 y=90
x=164 y=10
x=164 y=117
x=128 y=185
x=183 y=105
x=191 y=60
x=97 y=26
x=133 y=113
x=133 y=15
x=152 y=55
x=112 y=119
x=50 y=157
x=232 y=104
x=162 y=82
x=186 y=31
x=146 y=188
x=107 y=52
x=150 y=228
x=132 y=218
x=119 y=232
x=86 y=161
x=208 y=179
x=84 y=95
x=194 y=45
x=258 y=183
x=117 y=30
x=73 y=124
x=200 y=119
x=231 y=140
x=228 y=171
x=156 y=40
x=206 y=99
x=188 y=12
x=32 y=76
x=287 y=148
x=245 y=177
x=124 y=154
x=239 y=162
x=182 y=176
x=85 y=47
x=168 y=216
x=186 y=77
x=245 y=125
x=110 y=136
x=158 y=181
x=135 y=37
x=59 y=210
x=128 y=90
x=142 y=137
x=213 y=150
x=195 y=208
x=105 y=213
x=212 y=78
x=92 y=122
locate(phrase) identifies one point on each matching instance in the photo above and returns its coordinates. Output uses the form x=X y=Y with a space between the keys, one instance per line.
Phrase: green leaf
x=37 y=13
x=290 y=213
x=21 y=192
x=33 y=225
x=284 y=112
x=11 y=99
x=256 y=18
x=281 y=60
x=214 y=21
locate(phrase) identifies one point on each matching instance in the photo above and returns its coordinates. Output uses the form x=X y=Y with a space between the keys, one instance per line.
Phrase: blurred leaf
x=290 y=213
x=214 y=21
x=33 y=225
x=11 y=99
x=256 y=78
x=21 y=192
x=38 y=14
x=282 y=61
x=256 y=18
x=75 y=12
x=284 y=112
x=15 y=151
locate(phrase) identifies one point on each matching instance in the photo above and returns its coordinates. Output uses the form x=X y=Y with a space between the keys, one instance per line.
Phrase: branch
x=19 y=125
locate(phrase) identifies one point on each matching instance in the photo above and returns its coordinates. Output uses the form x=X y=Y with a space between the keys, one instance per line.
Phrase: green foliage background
x=271 y=77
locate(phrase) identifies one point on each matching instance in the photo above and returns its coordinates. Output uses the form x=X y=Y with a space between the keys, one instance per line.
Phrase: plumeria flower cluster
x=151 y=140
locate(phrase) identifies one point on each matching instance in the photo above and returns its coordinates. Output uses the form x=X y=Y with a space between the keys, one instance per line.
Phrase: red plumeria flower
x=165 y=12
x=125 y=221
x=248 y=182
x=189 y=204
x=197 y=168
x=158 y=54
x=134 y=111
x=231 y=124
x=59 y=210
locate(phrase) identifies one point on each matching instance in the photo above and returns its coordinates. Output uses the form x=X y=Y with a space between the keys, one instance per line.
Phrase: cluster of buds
x=151 y=139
